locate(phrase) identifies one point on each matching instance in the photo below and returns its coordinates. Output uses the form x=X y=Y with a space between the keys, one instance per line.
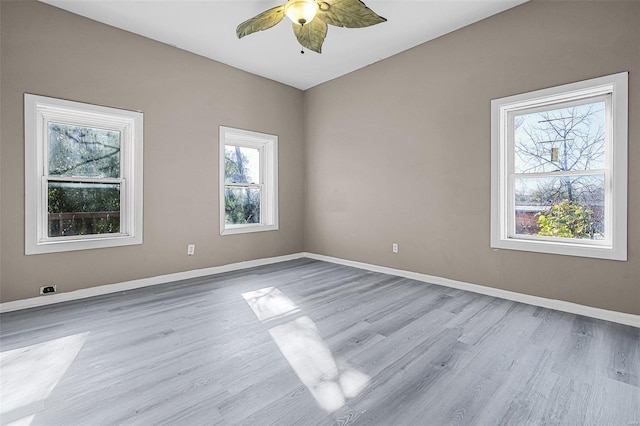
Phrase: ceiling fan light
x=301 y=11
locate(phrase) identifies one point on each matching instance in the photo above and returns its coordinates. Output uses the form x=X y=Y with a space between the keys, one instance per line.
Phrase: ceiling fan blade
x=263 y=21
x=312 y=34
x=348 y=13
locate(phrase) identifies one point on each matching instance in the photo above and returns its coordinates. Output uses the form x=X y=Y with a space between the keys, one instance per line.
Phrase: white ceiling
x=207 y=28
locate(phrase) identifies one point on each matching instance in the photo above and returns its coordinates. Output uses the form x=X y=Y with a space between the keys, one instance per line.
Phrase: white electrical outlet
x=394 y=247
x=191 y=249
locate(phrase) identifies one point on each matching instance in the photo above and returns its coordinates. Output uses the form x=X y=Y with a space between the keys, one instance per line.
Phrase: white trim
x=38 y=111
x=143 y=282
x=267 y=145
x=559 y=305
x=615 y=245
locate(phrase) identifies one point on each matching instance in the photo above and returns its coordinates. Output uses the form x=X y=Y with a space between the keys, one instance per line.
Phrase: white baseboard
x=144 y=282
x=559 y=305
x=574 y=308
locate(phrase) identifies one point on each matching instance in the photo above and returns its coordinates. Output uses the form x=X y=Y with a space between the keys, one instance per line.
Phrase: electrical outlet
x=191 y=249
x=47 y=289
x=394 y=247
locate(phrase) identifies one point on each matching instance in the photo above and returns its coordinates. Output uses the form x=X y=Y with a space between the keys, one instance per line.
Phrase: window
x=248 y=181
x=83 y=174
x=559 y=169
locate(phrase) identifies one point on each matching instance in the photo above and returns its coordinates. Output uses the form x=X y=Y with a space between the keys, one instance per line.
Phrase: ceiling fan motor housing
x=301 y=11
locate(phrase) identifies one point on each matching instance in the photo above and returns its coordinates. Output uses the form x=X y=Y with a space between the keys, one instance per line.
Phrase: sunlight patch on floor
x=308 y=354
x=269 y=303
x=29 y=374
x=312 y=361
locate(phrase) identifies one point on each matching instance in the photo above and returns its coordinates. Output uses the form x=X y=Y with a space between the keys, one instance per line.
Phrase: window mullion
x=84 y=180
x=592 y=172
x=243 y=185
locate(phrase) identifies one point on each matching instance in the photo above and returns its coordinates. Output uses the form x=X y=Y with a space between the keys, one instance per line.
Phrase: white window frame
x=614 y=88
x=267 y=145
x=38 y=112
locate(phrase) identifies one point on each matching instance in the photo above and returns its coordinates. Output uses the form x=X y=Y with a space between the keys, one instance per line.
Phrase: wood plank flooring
x=308 y=342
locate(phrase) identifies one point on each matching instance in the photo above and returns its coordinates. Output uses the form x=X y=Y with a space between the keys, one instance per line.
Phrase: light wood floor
x=307 y=342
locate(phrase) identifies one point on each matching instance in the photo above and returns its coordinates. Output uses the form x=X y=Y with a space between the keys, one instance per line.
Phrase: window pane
x=563 y=206
x=83 y=152
x=83 y=208
x=242 y=205
x=560 y=139
x=241 y=165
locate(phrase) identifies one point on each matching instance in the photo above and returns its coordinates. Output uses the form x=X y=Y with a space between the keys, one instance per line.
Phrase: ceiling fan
x=310 y=19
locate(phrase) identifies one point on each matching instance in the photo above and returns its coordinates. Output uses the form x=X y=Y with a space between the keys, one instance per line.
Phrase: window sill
x=245 y=229
x=562 y=248
x=82 y=244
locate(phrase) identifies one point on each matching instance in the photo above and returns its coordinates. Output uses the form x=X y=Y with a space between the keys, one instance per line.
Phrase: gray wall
x=184 y=98
x=400 y=151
